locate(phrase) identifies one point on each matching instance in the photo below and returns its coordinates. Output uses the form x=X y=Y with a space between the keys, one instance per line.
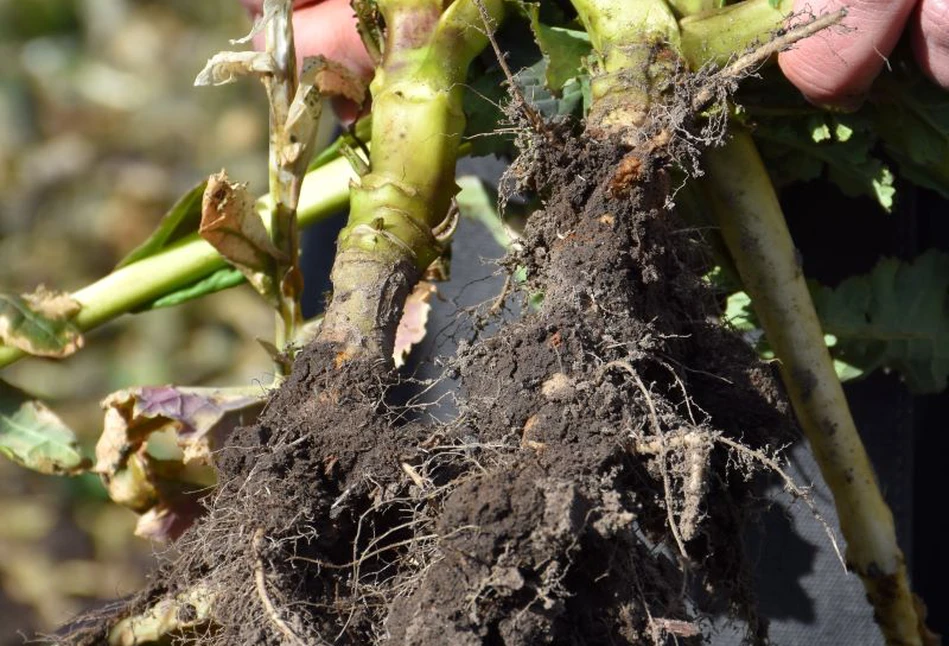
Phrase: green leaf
x=33 y=436
x=911 y=116
x=182 y=220
x=740 y=316
x=803 y=148
x=906 y=115
x=563 y=49
x=800 y=142
x=218 y=281
x=488 y=129
x=40 y=323
x=531 y=82
x=896 y=317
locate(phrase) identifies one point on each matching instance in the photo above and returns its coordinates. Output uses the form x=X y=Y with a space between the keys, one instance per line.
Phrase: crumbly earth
x=585 y=493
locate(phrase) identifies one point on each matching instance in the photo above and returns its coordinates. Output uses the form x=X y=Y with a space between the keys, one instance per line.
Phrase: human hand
x=837 y=67
x=328 y=28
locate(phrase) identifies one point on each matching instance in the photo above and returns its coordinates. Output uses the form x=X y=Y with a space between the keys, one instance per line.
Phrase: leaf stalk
x=325 y=192
x=752 y=224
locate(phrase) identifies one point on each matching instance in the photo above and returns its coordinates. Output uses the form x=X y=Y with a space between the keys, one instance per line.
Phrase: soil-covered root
x=621 y=395
x=583 y=492
x=586 y=489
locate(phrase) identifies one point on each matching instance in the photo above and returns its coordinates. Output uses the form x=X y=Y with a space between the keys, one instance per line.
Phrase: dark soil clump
x=582 y=495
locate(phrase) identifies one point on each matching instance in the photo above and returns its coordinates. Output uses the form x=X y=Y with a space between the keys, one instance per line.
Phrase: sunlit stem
x=745 y=205
x=417 y=126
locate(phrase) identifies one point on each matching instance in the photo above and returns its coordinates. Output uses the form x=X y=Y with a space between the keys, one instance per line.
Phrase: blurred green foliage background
x=100 y=132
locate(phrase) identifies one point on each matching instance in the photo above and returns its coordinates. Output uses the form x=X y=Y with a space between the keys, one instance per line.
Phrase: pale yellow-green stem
x=689 y=7
x=325 y=192
x=746 y=208
x=636 y=45
x=721 y=35
x=417 y=125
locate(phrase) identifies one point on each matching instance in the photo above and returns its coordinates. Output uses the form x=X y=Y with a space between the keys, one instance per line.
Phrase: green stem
x=744 y=202
x=637 y=45
x=417 y=126
x=722 y=35
x=325 y=192
x=690 y=7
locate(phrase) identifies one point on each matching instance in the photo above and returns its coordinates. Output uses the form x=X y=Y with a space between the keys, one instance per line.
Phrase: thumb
x=838 y=65
x=327 y=28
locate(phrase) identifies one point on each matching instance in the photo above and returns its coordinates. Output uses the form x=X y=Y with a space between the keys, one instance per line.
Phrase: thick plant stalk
x=632 y=41
x=325 y=192
x=687 y=7
x=417 y=125
x=721 y=35
x=750 y=218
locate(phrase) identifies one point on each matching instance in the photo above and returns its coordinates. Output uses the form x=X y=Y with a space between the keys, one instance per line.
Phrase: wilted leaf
x=324 y=77
x=231 y=224
x=34 y=437
x=132 y=484
x=897 y=316
x=167 y=521
x=308 y=331
x=227 y=67
x=40 y=323
x=268 y=11
x=411 y=329
x=181 y=220
x=321 y=78
x=200 y=418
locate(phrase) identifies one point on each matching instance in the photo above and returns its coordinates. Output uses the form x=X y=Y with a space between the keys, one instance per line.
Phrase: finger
x=328 y=28
x=838 y=65
x=931 y=39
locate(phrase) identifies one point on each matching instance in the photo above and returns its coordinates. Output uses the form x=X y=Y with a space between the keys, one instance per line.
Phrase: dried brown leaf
x=412 y=325
x=227 y=67
x=168 y=490
x=231 y=224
